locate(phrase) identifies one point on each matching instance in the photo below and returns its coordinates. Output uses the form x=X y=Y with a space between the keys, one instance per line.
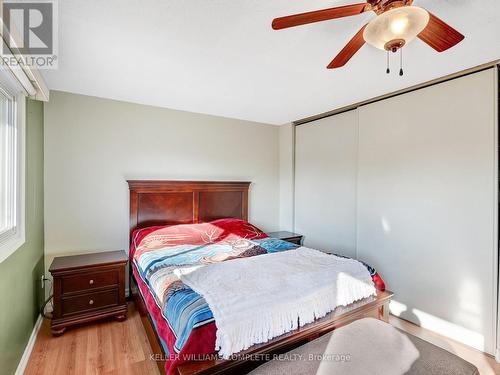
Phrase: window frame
x=16 y=236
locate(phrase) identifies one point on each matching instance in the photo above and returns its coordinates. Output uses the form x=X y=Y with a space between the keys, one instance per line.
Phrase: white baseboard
x=444 y=328
x=497 y=356
x=29 y=347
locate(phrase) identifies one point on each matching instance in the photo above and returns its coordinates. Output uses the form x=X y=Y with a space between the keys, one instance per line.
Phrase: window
x=11 y=173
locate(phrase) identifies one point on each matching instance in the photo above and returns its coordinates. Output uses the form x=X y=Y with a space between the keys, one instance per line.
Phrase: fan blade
x=349 y=50
x=319 y=15
x=439 y=35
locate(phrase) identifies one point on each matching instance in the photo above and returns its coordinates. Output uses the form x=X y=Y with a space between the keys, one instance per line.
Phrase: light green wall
x=20 y=273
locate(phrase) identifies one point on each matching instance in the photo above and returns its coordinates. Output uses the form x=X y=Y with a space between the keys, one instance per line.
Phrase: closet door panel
x=427 y=199
x=325 y=183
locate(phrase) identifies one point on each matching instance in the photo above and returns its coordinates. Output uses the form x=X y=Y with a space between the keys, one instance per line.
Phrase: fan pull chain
x=401 y=62
x=388 y=68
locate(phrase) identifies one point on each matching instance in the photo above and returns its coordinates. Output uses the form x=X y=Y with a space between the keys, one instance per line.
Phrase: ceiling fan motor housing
x=394 y=45
x=381 y=6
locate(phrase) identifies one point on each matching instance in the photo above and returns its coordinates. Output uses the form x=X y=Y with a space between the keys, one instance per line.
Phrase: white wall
x=427 y=203
x=92 y=146
x=286 y=173
x=425 y=212
x=325 y=183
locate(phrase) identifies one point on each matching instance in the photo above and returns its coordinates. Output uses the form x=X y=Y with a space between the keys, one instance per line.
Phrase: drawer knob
x=91 y=302
x=91 y=281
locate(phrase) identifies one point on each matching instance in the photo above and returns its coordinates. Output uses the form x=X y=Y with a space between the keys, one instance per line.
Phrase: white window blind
x=8 y=163
x=11 y=174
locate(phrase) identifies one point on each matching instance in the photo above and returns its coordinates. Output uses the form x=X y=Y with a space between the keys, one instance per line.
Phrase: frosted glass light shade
x=400 y=23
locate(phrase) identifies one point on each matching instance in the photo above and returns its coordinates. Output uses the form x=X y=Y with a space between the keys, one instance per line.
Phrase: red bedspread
x=202 y=339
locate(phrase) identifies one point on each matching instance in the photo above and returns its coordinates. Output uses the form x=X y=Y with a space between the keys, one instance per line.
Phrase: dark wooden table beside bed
x=88 y=287
x=158 y=212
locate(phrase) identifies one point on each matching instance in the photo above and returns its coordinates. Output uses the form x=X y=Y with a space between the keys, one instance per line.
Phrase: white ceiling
x=221 y=57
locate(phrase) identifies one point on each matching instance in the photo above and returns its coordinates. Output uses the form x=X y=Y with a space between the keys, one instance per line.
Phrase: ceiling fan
x=397 y=23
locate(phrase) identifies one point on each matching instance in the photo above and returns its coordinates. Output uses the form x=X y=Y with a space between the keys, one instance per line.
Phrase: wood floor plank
x=92 y=350
x=106 y=347
x=81 y=351
x=66 y=354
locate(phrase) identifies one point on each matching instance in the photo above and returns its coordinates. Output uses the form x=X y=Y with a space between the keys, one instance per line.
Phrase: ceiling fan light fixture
x=395 y=28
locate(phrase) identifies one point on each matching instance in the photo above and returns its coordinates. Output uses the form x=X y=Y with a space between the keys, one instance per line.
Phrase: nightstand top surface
x=283 y=234
x=88 y=260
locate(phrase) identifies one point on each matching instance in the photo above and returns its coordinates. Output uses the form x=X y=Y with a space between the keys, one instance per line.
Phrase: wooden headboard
x=185 y=202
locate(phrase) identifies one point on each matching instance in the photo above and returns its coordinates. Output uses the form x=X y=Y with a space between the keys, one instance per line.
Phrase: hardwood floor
x=112 y=347
x=107 y=347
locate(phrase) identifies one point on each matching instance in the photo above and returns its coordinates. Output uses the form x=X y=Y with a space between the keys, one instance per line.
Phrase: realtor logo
x=30 y=27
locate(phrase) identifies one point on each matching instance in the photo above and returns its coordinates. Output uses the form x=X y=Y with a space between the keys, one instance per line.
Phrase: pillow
x=195 y=234
x=238 y=227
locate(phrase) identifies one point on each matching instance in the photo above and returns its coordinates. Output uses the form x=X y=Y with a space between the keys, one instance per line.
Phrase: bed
x=157 y=206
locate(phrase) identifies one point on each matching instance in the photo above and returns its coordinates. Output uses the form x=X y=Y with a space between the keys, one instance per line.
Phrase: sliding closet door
x=427 y=200
x=325 y=183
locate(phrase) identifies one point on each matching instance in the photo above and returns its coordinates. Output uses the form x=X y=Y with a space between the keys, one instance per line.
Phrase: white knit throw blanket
x=257 y=298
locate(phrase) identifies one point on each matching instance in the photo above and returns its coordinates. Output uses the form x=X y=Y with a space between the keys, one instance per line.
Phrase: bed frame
x=186 y=202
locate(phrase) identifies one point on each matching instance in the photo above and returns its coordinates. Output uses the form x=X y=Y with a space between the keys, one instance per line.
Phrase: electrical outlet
x=42 y=279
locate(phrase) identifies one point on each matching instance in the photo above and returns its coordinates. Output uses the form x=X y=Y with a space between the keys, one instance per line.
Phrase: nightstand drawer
x=90 y=301
x=89 y=281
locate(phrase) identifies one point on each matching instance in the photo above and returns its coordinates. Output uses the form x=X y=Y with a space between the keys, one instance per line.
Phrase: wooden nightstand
x=88 y=287
x=287 y=236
